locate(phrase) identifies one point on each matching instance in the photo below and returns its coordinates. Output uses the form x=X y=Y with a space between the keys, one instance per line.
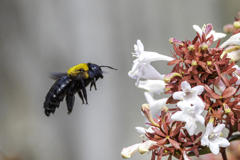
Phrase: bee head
x=95 y=70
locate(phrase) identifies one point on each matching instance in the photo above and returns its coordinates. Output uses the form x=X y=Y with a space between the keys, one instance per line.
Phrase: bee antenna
x=108 y=67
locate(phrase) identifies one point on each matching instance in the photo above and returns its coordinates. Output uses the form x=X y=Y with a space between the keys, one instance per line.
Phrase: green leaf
x=234 y=137
x=201 y=151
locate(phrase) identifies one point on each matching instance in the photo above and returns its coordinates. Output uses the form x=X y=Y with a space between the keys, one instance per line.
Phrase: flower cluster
x=202 y=89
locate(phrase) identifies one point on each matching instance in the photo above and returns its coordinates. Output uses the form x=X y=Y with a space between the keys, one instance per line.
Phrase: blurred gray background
x=42 y=36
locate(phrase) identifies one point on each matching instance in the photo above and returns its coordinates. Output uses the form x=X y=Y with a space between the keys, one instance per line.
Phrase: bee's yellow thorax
x=75 y=70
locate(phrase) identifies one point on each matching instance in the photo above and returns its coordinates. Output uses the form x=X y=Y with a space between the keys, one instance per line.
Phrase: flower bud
x=191 y=47
x=129 y=151
x=194 y=63
x=228 y=28
x=203 y=46
x=175 y=41
x=209 y=63
x=146 y=111
x=164 y=113
x=236 y=24
x=208 y=28
x=226 y=108
x=144 y=147
x=167 y=78
x=211 y=120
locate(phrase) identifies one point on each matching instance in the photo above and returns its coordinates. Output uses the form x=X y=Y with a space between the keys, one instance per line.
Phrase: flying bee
x=68 y=84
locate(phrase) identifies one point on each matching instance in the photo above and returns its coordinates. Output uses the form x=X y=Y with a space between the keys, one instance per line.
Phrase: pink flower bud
x=175 y=41
x=146 y=111
x=208 y=28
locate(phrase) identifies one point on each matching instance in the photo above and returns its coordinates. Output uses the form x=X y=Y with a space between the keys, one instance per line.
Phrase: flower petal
x=204 y=140
x=178 y=95
x=147 y=57
x=200 y=118
x=141 y=130
x=224 y=142
x=140 y=46
x=127 y=152
x=198 y=89
x=191 y=127
x=197 y=29
x=185 y=86
x=219 y=128
x=153 y=86
x=214 y=148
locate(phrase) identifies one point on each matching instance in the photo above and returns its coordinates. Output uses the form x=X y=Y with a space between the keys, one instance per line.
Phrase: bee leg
x=81 y=96
x=70 y=98
x=84 y=91
x=93 y=83
x=85 y=94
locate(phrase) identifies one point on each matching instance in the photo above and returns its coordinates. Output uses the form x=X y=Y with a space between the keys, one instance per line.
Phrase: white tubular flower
x=233 y=52
x=127 y=152
x=234 y=40
x=190 y=115
x=155 y=105
x=208 y=31
x=144 y=147
x=145 y=71
x=143 y=131
x=190 y=94
x=146 y=56
x=213 y=138
x=153 y=86
x=141 y=66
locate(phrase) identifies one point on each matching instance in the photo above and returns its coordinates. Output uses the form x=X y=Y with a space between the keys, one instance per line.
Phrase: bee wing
x=56 y=76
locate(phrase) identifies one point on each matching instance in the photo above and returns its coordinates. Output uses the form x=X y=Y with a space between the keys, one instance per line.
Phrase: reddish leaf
x=162 y=141
x=158 y=131
x=165 y=127
x=229 y=92
x=188 y=61
x=233 y=80
x=205 y=75
x=175 y=61
x=175 y=131
x=211 y=93
x=217 y=68
x=225 y=80
x=229 y=71
x=174 y=143
x=229 y=66
x=217 y=80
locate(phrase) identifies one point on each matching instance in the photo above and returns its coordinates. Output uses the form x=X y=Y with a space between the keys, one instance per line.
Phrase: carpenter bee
x=68 y=84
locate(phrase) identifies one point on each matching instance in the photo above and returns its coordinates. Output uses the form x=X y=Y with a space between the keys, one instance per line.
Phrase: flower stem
x=223 y=152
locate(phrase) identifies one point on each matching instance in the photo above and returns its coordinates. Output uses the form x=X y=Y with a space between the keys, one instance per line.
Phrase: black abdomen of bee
x=56 y=94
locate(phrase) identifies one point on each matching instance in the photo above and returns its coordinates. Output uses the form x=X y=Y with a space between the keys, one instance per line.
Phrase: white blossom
x=155 y=105
x=141 y=66
x=189 y=114
x=213 y=138
x=153 y=86
x=190 y=94
x=216 y=35
x=234 y=40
